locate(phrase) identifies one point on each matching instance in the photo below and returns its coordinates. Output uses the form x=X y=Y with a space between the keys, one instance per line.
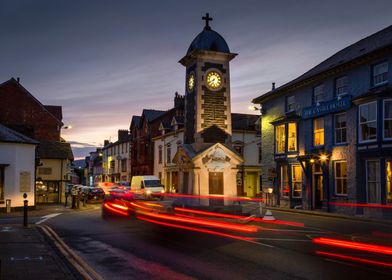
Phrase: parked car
x=92 y=194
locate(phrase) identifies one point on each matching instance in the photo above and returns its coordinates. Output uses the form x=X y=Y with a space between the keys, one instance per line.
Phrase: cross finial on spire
x=207 y=18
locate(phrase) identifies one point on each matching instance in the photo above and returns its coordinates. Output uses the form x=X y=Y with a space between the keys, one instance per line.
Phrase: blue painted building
x=327 y=135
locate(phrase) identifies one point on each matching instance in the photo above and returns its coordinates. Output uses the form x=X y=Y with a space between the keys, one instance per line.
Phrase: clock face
x=214 y=80
x=191 y=82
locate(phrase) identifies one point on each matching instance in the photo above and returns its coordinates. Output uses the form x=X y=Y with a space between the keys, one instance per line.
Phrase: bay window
x=280 y=138
x=286 y=131
x=284 y=181
x=296 y=180
x=388 y=119
x=368 y=122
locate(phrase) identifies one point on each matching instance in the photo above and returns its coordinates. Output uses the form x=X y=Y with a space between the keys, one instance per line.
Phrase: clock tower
x=207 y=90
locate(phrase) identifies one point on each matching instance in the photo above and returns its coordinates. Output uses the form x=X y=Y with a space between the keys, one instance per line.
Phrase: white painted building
x=17 y=168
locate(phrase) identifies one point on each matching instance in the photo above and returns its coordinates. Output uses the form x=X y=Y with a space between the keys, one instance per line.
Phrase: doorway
x=251 y=184
x=215 y=185
x=318 y=186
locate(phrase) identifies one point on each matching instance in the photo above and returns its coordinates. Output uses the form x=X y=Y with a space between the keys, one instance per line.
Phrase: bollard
x=8 y=205
x=25 y=205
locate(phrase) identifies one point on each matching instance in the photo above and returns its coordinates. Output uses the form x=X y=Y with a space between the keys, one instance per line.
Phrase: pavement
x=36 y=252
x=27 y=254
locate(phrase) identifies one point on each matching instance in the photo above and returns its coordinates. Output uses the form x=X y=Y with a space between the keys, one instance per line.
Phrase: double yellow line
x=77 y=262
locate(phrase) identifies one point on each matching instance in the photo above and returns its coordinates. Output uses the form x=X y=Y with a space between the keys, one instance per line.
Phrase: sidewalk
x=44 y=209
x=26 y=254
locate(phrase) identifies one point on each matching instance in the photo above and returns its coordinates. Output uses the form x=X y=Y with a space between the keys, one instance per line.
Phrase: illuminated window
x=280 y=138
x=341 y=86
x=292 y=137
x=373 y=181
x=368 y=122
x=388 y=119
x=296 y=180
x=388 y=174
x=318 y=132
x=160 y=154
x=340 y=177
x=284 y=181
x=318 y=94
x=380 y=74
x=340 y=128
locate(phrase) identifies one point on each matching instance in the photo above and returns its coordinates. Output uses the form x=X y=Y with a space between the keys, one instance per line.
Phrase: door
x=185 y=183
x=215 y=184
x=251 y=184
x=318 y=187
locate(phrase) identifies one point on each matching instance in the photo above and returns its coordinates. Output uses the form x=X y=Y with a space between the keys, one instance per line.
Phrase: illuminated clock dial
x=191 y=82
x=214 y=80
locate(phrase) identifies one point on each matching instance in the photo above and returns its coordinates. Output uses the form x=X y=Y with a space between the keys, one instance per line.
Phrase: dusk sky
x=104 y=61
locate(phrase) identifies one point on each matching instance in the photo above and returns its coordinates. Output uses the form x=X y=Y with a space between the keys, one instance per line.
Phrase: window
x=1 y=184
x=260 y=154
x=160 y=154
x=284 y=181
x=388 y=174
x=318 y=94
x=318 y=132
x=340 y=177
x=368 y=122
x=45 y=171
x=341 y=86
x=340 y=128
x=124 y=165
x=239 y=149
x=292 y=137
x=388 y=119
x=373 y=181
x=380 y=73
x=168 y=153
x=112 y=164
x=296 y=180
x=280 y=140
x=290 y=103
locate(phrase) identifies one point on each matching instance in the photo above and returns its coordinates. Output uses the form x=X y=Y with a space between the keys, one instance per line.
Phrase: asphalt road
x=133 y=249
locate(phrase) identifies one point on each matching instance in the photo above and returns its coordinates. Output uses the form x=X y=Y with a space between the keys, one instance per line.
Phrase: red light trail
x=354 y=245
x=355 y=259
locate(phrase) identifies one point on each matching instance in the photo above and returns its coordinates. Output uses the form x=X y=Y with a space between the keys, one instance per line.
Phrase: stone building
x=22 y=112
x=203 y=152
x=327 y=135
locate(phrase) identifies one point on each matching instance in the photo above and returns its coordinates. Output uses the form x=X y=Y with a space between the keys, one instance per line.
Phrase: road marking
x=259 y=243
x=281 y=239
x=27 y=259
x=6 y=229
x=47 y=217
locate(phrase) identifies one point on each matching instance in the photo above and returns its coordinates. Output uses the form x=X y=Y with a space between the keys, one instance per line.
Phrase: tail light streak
x=355 y=259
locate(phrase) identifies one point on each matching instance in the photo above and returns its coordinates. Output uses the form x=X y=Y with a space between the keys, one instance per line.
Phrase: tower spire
x=207 y=18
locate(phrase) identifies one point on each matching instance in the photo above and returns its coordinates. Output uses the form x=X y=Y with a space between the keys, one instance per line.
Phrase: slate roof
x=54 y=150
x=243 y=121
x=135 y=121
x=372 y=43
x=209 y=40
x=151 y=115
x=11 y=136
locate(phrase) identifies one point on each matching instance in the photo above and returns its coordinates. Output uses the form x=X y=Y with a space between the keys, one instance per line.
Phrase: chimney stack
x=105 y=143
x=273 y=86
x=18 y=80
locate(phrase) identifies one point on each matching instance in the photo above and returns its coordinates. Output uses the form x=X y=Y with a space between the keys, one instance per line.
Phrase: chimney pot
x=18 y=80
x=273 y=86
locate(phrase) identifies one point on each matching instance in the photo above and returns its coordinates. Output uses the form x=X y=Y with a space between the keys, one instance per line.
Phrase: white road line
x=47 y=217
x=282 y=239
x=259 y=243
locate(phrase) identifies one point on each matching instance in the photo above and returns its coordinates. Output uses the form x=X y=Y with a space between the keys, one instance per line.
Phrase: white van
x=147 y=186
